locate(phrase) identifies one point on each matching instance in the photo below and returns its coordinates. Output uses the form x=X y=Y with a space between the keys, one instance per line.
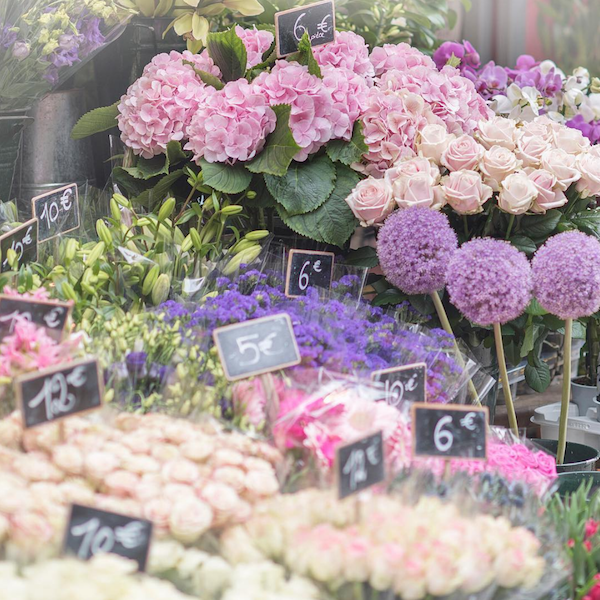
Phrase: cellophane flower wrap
x=41 y=46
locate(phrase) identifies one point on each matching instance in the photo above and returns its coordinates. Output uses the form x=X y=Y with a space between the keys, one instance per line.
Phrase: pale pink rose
x=176 y=491
x=224 y=457
x=570 y=140
x=69 y=458
x=99 y=464
x=222 y=499
x=589 y=166
x=356 y=559
x=594 y=150
x=36 y=467
x=562 y=165
x=463 y=153
x=76 y=492
x=258 y=464
x=125 y=506
x=432 y=141
x=261 y=483
x=548 y=197
x=138 y=442
x=517 y=194
x=11 y=432
x=498 y=131
x=146 y=490
x=42 y=491
x=198 y=450
x=543 y=127
x=179 y=432
x=29 y=531
x=465 y=192
x=530 y=149
x=14 y=499
x=232 y=476
x=496 y=164
x=418 y=190
x=165 y=452
x=158 y=510
x=189 y=519
x=371 y=201
x=141 y=464
x=409 y=167
x=180 y=471
x=121 y=483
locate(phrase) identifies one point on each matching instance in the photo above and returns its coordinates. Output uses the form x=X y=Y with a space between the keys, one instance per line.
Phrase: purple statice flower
x=489 y=281
x=590 y=130
x=469 y=57
x=491 y=80
x=414 y=247
x=566 y=275
x=7 y=37
x=92 y=38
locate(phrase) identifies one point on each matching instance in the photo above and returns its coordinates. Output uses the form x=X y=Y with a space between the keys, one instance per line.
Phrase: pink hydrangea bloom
x=231 y=125
x=159 y=106
x=257 y=42
x=30 y=348
x=391 y=122
x=349 y=93
x=451 y=96
x=310 y=120
x=398 y=56
x=349 y=50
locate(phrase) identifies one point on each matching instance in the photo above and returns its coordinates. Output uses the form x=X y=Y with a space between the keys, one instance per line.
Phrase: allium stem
x=443 y=317
x=566 y=393
x=510 y=407
x=511 y=222
x=466 y=227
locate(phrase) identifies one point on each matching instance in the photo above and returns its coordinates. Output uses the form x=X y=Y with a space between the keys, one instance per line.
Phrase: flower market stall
x=263 y=360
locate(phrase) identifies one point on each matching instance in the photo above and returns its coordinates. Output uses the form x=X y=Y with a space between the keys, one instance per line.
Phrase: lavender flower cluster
x=338 y=333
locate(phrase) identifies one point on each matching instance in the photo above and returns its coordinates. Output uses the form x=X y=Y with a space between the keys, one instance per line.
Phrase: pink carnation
x=451 y=96
x=159 y=106
x=231 y=125
x=349 y=93
x=391 y=122
x=291 y=83
x=349 y=50
x=257 y=42
x=398 y=56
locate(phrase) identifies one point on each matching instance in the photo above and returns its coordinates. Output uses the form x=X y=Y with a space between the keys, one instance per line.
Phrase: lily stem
x=510 y=407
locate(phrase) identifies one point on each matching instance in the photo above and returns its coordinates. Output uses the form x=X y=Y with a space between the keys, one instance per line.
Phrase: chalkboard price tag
x=91 y=531
x=57 y=212
x=403 y=384
x=53 y=316
x=360 y=465
x=317 y=19
x=59 y=392
x=23 y=240
x=257 y=346
x=306 y=269
x=450 y=432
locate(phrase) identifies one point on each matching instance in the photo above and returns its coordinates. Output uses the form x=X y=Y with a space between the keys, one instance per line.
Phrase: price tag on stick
x=317 y=19
x=51 y=315
x=360 y=465
x=91 y=531
x=305 y=269
x=59 y=392
x=257 y=346
x=57 y=212
x=443 y=431
x=23 y=240
x=403 y=384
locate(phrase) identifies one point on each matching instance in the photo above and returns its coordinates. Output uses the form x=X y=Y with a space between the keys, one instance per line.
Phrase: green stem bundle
x=566 y=393
x=510 y=407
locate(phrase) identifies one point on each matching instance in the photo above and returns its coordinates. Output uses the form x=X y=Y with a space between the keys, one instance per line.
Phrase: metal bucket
x=11 y=129
x=570 y=482
x=50 y=157
x=578 y=457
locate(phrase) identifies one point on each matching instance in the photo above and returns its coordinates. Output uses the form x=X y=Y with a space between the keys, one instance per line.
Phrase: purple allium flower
x=566 y=275
x=489 y=281
x=414 y=248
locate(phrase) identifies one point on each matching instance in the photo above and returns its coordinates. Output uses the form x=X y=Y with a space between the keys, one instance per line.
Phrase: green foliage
x=229 y=54
x=96 y=121
x=225 y=178
x=351 y=151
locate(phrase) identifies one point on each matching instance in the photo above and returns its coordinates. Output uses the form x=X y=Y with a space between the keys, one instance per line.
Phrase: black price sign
x=91 y=531
x=257 y=346
x=53 y=316
x=306 y=269
x=57 y=212
x=59 y=392
x=403 y=384
x=23 y=240
x=450 y=432
x=360 y=465
x=317 y=19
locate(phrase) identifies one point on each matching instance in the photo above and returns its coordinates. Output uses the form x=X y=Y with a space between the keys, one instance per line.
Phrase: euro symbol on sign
x=468 y=422
x=266 y=345
x=317 y=267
